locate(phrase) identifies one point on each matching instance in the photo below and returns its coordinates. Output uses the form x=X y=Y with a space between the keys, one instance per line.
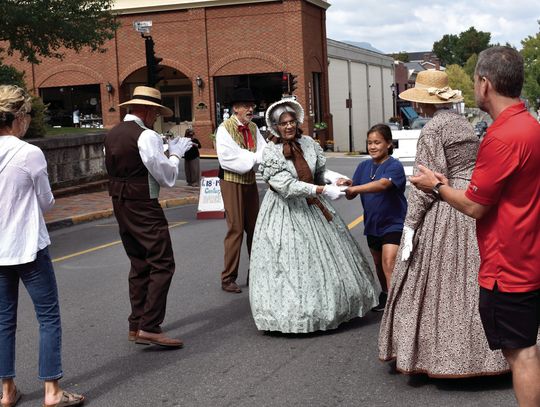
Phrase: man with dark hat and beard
x=239 y=146
x=137 y=167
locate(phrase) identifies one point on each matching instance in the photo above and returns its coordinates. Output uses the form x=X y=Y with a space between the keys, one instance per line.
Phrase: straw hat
x=144 y=95
x=276 y=109
x=431 y=86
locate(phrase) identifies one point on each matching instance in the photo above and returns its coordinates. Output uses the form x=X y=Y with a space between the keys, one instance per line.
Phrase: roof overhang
x=152 y=6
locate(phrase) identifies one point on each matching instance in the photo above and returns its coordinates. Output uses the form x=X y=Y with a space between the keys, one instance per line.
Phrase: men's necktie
x=248 y=138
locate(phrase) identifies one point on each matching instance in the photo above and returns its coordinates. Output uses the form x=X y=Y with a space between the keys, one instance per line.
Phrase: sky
x=412 y=25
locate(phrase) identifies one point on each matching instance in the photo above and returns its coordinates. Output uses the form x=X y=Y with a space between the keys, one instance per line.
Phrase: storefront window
x=73 y=106
x=317 y=105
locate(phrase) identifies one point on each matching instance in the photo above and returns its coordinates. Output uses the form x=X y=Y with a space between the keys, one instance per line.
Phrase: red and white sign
x=210 y=200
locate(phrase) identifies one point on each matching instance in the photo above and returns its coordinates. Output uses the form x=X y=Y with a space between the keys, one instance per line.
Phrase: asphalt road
x=226 y=361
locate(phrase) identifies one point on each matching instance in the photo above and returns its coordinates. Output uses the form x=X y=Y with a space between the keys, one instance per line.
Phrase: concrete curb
x=107 y=213
x=171 y=203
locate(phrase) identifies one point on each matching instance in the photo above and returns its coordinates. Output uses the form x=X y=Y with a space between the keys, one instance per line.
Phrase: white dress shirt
x=25 y=195
x=234 y=158
x=163 y=169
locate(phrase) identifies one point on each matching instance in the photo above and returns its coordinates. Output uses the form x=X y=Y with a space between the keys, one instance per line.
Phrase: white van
x=405 y=142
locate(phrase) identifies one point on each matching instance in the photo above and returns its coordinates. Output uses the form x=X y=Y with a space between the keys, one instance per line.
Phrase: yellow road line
x=355 y=222
x=103 y=246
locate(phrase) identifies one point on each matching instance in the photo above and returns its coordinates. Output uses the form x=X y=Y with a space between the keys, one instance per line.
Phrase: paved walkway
x=87 y=206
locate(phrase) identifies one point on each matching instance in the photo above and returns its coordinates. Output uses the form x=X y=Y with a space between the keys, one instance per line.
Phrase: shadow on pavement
x=471 y=384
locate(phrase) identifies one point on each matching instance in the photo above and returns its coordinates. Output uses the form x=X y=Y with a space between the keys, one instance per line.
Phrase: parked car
x=394 y=126
x=419 y=122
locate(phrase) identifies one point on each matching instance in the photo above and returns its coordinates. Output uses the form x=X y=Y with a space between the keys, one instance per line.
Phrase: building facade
x=208 y=48
x=360 y=93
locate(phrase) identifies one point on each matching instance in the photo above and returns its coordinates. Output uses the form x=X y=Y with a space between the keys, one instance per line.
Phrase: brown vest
x=128 y=177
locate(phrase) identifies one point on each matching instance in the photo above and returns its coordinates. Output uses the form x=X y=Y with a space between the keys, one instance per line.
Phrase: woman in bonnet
x=307 y=271
x=431 y=323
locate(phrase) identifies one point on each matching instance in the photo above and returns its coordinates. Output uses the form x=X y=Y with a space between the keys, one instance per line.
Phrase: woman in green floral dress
x=307 y=271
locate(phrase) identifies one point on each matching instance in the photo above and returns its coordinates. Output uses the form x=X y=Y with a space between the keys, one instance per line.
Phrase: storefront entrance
x=266 y=89
x=180 y=102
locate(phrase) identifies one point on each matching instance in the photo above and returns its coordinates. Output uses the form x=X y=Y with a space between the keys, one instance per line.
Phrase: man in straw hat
x=137 y=167
x=239 y=146
x=504 y=198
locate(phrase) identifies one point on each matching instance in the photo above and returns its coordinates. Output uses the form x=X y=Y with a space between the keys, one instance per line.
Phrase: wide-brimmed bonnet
x=280 y=107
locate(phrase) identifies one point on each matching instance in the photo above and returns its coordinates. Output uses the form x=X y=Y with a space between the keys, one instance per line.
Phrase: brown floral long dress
x=431 y=323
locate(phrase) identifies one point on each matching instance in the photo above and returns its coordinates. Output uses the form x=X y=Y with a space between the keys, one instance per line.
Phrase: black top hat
x=242 y=95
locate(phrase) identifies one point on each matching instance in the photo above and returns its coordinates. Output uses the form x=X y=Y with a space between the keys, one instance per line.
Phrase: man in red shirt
x=504 y=197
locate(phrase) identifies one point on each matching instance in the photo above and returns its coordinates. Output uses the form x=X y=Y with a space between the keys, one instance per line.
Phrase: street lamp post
x=393 y=87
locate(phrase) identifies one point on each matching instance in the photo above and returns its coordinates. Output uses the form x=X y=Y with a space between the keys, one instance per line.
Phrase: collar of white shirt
x=132 y=118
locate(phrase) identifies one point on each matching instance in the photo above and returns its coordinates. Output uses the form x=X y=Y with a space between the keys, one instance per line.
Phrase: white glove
x=333 y=192
x=179 y=145
x=408 y=234
x=331 y=177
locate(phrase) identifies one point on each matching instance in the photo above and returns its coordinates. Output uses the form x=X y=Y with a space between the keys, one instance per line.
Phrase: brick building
x=222 y=43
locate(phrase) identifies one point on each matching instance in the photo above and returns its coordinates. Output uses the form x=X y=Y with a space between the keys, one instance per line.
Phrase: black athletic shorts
x=376 y=242
x=510 y=320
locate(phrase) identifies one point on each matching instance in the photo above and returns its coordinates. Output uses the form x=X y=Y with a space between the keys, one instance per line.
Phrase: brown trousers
x=241 y=203
x=145 y=235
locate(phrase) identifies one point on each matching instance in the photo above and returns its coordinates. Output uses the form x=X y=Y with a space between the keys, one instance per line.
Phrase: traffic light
x=152 y=63
x=289 y=83
x=285 y=83
x=293 y=83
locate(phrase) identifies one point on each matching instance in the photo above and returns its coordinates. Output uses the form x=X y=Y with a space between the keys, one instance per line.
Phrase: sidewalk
x=88 y=206
x=76 y=205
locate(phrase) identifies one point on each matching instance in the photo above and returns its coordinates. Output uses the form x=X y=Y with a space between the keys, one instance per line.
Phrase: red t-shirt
x=507 y=178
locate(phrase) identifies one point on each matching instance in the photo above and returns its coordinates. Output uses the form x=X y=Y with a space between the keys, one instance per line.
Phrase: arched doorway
x=176 y=93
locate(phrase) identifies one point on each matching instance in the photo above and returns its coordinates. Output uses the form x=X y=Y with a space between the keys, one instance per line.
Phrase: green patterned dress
x=306 y=273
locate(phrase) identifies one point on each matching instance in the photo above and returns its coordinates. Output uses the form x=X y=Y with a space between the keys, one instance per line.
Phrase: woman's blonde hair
x=14 y=101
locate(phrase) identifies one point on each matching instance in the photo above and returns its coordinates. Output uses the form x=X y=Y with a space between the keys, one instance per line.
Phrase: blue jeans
x=40 y=282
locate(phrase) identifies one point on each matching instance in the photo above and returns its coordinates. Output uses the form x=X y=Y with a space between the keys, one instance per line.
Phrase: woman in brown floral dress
x=431 y=323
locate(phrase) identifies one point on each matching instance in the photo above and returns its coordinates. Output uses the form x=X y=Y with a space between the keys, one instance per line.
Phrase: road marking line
x=356 y=222
x=103 y=246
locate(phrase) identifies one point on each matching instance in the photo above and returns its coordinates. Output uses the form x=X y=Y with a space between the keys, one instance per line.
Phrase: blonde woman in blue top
x=380 y=182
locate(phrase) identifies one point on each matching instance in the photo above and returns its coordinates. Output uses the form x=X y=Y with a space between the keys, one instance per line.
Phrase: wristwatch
x=436 y=189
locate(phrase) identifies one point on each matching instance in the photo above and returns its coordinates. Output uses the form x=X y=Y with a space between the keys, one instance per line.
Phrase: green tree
x=458 y=79
x=37 y=128
x=457 y=49
x=40 y=29
x=11 y=76
x=401 y=56
x=470 y=65
x=531 y=59
x=445 y=49
x=471 y=42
